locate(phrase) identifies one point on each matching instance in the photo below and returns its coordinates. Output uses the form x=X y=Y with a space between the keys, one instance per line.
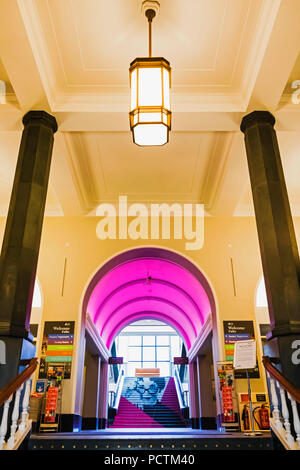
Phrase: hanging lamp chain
x=150 y=14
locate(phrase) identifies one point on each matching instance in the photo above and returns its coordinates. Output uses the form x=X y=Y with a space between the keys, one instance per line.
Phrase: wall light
x=150 y=83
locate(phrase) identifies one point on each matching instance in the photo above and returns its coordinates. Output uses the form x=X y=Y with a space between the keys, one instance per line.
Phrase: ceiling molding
x=268 y=15
x=81 y=172
x=65 y=98
x=38 y=45
x=216 y=170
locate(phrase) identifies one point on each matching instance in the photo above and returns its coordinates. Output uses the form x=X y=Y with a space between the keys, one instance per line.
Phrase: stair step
x=165 y=413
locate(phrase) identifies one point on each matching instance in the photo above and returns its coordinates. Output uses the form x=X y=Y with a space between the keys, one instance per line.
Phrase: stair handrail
x=283 y=416
x=119 y=386
x=13 y=386
x=179 y=389
x=16 y=391
x=277 y=375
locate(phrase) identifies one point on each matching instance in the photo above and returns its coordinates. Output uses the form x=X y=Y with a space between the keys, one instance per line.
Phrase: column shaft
x=278 y=246
x=20 y=249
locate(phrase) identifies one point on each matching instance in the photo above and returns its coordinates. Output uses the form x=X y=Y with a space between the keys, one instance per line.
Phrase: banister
x=13 y=386
x=119 y=388
x=276 y=374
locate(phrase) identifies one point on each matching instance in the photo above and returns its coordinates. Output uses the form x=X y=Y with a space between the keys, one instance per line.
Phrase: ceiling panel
x=107 y=165
x=90 y=44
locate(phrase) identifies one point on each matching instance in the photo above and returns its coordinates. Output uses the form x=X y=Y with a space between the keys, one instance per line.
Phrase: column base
x=89 y=423
x=102 y=423
x=208 y=423
x=195 y=423
x=70 y=422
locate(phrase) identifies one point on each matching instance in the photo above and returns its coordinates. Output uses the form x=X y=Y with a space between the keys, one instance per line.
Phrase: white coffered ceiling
x=71 y=59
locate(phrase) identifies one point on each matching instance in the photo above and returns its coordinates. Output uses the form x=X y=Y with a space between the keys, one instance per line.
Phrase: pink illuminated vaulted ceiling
x=149 y=283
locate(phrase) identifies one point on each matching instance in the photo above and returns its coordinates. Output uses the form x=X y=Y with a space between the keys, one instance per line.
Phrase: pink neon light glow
x=173 y=295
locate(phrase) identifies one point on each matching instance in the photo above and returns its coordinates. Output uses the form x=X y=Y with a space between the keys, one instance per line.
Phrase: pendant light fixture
x=150 y=82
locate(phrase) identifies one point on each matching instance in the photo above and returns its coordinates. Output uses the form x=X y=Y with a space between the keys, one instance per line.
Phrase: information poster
x=57 y=350
x=245 y=354
x=238 y=331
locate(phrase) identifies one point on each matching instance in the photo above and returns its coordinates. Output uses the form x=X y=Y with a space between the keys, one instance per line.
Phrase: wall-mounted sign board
x=236 y=331
x=57 y=348
x=115 y=360
x=181 y=361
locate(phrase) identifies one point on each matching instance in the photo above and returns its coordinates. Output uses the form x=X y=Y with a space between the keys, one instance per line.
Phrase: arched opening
x=262 y=319
x=154 y=285
x=148 y=344
x=36 y=311
x=261 y=308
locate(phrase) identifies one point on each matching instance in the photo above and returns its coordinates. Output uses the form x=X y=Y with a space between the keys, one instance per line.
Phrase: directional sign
x=115 y=360
x=181 y=360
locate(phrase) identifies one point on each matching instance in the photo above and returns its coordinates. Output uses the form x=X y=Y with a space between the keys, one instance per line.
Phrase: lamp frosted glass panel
x=133 y=102
x=150 y=117
x=150 y=134
x=150 y=87
x=166 y=77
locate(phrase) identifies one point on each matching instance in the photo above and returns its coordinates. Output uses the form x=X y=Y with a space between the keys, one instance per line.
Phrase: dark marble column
x=278 y=246
x=20 y=249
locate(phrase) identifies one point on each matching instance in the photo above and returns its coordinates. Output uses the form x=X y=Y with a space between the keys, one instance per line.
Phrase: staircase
x=140 y=407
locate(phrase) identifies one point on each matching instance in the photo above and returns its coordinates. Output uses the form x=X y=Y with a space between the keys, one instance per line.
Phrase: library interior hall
x=149 y=225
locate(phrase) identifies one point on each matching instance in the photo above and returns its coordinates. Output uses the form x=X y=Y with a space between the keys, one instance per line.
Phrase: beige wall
x=75 y=239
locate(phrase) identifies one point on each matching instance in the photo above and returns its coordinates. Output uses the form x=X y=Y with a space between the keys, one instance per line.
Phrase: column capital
x=257 y=117
x=40 y=117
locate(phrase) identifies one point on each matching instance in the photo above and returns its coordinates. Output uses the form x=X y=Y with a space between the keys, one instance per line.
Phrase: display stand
x=51 y=408
x=252 y=432
x=227 y=397
x=245 y=358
